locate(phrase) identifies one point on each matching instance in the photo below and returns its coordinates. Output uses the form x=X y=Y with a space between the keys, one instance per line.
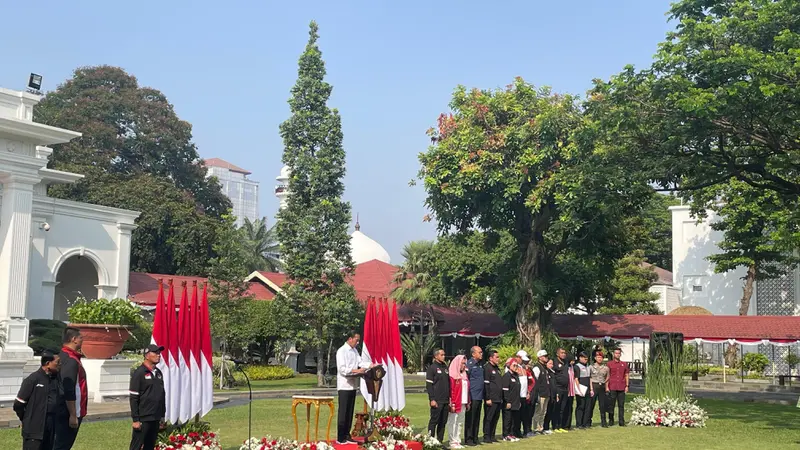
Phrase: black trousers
x=601 y=397
x=347 y=404
x=472 y=422
x=510 y=421
x=46 y=442
x=438 y=421
x=555 y=411
x=65 y=436
x=490 y=419
x=566 y=413
x=583 y=410
x=618 y=398
x=145 y=437
x=525 y=419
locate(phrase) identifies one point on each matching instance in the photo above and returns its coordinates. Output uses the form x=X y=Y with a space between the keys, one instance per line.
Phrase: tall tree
x=262 y=244
x=522 y=160
x=312 y=229
x=137 y=154
x=629 y=291
x=651 y=230
x=719 y=101
x=759 y=232
x=414 y=277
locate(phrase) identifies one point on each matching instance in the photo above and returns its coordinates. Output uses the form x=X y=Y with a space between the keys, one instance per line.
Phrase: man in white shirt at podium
x=349 y=367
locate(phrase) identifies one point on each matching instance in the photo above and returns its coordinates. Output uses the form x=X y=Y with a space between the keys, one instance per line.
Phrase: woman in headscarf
x=459 y=400
x=511 y=401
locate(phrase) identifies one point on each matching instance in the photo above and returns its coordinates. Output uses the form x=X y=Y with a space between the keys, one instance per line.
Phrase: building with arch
x=51 y=250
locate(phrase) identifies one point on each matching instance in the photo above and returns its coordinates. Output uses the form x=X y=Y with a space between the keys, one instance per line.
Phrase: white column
x=15 y=233
x=123 y=258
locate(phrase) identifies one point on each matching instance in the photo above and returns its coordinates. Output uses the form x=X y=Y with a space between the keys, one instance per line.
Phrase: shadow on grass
x=756 y=415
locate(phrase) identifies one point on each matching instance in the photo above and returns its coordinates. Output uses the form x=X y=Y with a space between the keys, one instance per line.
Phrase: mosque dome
x=363 y=248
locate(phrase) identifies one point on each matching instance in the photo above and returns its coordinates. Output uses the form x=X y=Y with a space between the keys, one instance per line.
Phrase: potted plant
x=104 y=325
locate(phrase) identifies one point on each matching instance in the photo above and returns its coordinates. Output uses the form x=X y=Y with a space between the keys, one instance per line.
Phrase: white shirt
x=523 y=386
x=464 y=392
x=347 y=360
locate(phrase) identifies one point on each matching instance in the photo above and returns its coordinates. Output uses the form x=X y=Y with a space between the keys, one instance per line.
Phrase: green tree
x=523 y=160
x=629 y=291
x=719 y=101
x=262 y=245
x=414 y=277
x=312 y=229
x=759 y=233
x=651 y=230
x=228 y=294
x=137 y=154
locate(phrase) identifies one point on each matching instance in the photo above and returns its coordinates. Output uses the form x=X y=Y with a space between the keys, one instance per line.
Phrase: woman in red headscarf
x=459 y=400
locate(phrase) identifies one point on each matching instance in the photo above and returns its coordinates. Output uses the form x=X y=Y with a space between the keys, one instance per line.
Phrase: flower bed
x=192 y=441
x=667 y=412
x=268 y=443
x=394 y=426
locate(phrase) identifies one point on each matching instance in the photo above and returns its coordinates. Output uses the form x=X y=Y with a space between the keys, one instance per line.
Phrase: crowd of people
x=52 y=401
x=533 y=397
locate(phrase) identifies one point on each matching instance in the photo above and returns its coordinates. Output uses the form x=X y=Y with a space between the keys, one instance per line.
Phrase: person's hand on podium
x=360 y=371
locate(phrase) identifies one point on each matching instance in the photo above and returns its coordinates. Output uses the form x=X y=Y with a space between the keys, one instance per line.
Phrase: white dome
x=363 y=248
x=285 y=172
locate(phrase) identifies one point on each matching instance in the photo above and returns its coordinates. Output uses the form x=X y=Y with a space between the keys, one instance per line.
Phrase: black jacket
x=438 y=381
x=542 y=376
x=511 y=392
x=561 y=370
x=147 y=395
x=493 y=381
x=31 y=403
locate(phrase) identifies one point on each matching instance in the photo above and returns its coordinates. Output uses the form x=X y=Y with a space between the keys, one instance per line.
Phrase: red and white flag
x=382 y=346
x=396 y=383
x=194 y=353
x=174 y=406
x=205 y=358
x=161 y=335
x=184 y=349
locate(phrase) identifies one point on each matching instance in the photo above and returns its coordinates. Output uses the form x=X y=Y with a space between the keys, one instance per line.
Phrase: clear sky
x=228 y=67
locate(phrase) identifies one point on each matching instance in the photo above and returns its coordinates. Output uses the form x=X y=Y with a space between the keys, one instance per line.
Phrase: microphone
x=238 y=362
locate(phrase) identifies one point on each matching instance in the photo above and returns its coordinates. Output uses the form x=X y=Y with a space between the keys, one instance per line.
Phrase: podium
x=374 y=381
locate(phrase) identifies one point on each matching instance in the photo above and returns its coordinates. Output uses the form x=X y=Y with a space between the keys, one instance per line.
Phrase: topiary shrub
x=755 y=363
x=45 y=334
x=262 y=373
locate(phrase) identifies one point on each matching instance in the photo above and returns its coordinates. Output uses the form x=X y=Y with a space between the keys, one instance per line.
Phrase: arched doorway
x=77 y=277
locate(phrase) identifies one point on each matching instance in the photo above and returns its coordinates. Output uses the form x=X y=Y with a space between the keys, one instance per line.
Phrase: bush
x=261 y=373
x=103 y=311
x=668 y=412
x=508 y=351
x=45 y=334
x=755 y=363
x=141 y=334
x=702 y=370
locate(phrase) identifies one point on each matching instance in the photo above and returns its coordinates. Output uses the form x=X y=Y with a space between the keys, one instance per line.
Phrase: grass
x=731 y=425
x=302 y=381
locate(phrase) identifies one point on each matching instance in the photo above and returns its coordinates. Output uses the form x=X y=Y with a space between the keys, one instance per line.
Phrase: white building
x=51 y=250
x=242 y=191
x=692 y=243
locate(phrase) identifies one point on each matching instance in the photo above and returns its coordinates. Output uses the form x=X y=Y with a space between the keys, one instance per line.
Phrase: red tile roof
x=374 y=279
x=217 y=162
x=143 y=287
x=704 y=327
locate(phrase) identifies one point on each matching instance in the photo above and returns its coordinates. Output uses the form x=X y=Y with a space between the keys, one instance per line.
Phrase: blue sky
x=228 y=67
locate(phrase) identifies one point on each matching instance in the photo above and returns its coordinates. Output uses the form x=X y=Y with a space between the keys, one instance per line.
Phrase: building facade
x=242 y=191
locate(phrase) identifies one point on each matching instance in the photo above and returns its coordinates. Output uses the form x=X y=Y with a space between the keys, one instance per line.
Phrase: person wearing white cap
x=542 y=377
x=525 y=404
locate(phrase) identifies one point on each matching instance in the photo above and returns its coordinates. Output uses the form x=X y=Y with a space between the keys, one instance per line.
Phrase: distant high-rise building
x=242 y=191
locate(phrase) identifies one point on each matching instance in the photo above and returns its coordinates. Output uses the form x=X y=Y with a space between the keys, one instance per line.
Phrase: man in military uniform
x=148 y=400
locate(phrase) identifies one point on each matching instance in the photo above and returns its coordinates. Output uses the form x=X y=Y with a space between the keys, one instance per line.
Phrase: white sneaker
x=456 y=445
x=547 y=432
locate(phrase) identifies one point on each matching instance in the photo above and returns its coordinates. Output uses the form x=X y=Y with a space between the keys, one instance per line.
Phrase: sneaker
x=456 y=445
x=548 y=432
x=561 y=430
x=530 y=434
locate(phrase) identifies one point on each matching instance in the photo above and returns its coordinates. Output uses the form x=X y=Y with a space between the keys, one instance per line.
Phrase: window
x=696 y=288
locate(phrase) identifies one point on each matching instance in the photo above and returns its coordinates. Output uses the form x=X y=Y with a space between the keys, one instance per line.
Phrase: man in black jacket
x=148 y=401
x=561 y=369
x=438 y=383
x=37 y=402
x=542 y=392
x=493 y=394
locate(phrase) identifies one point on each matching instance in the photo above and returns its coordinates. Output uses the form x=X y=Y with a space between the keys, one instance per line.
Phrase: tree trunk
x=529 y=314
x=747 y=291
x=321 y=366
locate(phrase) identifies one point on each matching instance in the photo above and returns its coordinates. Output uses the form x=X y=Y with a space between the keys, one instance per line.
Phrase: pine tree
x=312 y=229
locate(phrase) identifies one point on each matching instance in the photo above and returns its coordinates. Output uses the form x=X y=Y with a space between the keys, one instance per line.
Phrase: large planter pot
x=102 y=341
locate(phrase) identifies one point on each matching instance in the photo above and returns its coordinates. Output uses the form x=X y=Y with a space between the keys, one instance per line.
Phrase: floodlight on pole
x=35 y=83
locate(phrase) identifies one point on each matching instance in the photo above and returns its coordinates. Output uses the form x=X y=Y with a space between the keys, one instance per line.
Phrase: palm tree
x=262 y=245
x=413 y=278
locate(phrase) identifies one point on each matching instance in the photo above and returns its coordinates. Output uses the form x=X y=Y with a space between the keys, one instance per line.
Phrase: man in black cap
x=148 y=400
x=40 y=397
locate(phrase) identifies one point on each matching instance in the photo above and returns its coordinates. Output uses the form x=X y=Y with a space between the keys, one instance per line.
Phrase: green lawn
x=732 y=425
x=303 y=381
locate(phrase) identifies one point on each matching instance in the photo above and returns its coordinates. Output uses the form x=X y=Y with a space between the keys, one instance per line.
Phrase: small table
x=309 y=400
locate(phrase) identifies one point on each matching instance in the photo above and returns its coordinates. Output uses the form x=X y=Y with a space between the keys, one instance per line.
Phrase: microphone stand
x=249 y=405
